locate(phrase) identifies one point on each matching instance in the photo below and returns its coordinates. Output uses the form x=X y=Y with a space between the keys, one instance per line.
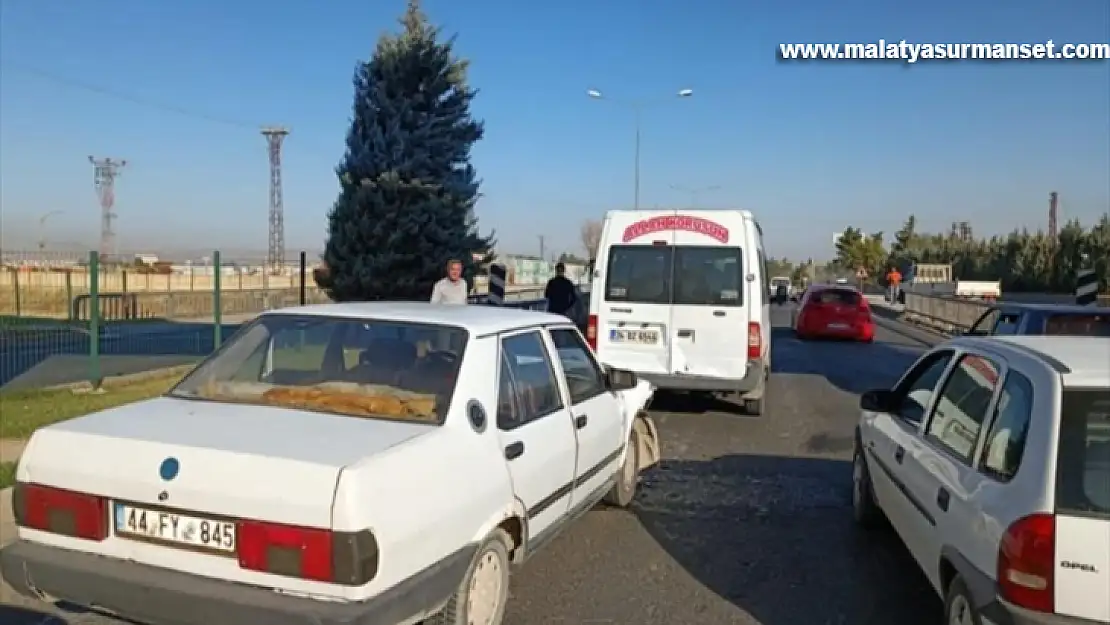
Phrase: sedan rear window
x=1083 y=457
x=1078 y=325
x=353 y=367
x=843 y=297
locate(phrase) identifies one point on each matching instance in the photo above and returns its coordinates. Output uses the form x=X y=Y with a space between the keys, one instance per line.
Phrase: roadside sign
x=861 y=273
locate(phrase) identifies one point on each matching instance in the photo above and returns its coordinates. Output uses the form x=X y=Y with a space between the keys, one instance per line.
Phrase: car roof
x=1066 y=309
x=834 y=287
x=1079 y=356
x=478 y=319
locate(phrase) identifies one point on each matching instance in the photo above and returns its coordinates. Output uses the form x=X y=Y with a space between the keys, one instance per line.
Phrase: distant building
x=147 y=259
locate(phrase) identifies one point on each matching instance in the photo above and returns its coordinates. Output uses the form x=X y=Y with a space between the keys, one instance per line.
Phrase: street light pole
x=695 y=192
x=636 y=168
x=637 y=107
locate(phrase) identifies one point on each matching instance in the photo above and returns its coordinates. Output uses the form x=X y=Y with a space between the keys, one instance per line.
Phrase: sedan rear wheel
x=481 y=597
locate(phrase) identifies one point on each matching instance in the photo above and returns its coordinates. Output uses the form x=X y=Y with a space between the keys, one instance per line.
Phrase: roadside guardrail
x=526 y=299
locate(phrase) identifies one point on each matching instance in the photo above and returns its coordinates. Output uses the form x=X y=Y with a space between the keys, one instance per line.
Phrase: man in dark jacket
x=560 y=293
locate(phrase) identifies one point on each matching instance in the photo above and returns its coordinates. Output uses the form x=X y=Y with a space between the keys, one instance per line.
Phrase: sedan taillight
x=60 y=511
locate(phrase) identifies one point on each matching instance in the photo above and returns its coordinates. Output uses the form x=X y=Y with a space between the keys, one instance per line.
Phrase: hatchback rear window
x=1083 y=457
x=844 y=297
x=1078 y=325
x=686 y=275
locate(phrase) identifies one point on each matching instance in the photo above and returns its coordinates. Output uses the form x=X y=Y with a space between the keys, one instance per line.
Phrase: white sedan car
x=333 y=464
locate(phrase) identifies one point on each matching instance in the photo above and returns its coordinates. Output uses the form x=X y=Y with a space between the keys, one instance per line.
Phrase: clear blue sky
x=809 y=147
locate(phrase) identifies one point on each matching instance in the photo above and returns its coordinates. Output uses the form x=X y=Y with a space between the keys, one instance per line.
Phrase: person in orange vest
x=893 y=280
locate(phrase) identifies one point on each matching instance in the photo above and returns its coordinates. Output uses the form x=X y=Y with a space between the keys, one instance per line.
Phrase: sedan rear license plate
x=643 y=337
x=838 y=326
x=174 y=529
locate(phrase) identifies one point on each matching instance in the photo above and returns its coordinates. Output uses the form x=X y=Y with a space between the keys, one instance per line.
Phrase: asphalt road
x=746 y=522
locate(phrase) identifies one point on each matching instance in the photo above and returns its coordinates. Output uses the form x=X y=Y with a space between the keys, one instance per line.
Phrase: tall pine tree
x=407 y=189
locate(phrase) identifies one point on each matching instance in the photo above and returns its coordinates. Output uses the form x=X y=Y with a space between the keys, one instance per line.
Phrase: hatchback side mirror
x=620 y=380
x=877 y=400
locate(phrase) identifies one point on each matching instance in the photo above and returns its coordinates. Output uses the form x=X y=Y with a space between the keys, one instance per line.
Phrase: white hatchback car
x=333 y=464
x=991 y=460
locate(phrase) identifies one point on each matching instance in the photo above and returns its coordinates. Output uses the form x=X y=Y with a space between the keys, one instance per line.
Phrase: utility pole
x=105 y=172
x=1053 y=224
x=275 y=255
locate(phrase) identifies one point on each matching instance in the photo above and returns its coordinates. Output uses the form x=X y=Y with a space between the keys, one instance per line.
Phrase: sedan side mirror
x=877 y=400
x=620 y=380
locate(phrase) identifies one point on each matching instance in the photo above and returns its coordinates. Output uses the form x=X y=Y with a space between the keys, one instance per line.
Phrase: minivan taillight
x=755 y=341
x=591 y=332
x=1027 y=562
x=60 y=511
x=307 y=552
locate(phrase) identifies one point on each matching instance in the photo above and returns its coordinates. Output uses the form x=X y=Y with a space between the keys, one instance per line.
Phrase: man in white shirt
x=452 y=289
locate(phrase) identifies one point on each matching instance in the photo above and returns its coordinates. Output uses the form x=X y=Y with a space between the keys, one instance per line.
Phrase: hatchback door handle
x=718 y=313
x=685 y=333
x=943 y=498
x=580 y=421
x=514 y=450
x=899 y=454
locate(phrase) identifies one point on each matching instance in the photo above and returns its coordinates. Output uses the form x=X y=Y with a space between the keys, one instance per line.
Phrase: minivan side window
x=1005 y=442
x=765 y=279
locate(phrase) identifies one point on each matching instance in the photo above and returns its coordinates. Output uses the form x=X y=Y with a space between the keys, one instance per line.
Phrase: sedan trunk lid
x=231 y=460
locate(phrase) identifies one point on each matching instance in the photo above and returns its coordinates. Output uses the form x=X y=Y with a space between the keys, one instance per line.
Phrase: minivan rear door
x=709 y=316
x=634 y=307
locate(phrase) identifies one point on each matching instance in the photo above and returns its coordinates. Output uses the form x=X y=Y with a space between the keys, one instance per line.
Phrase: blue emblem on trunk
x=169 y=469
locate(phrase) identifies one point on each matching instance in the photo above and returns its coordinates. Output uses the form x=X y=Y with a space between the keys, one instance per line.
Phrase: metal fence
x=89 y=320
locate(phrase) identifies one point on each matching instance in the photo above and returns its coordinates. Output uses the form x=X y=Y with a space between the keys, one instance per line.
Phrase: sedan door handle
x=580 y=421
x=943 y=498
x=899 y=454
x=514 y=450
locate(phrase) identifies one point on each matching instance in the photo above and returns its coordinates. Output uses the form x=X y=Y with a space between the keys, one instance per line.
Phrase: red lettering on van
x=676 y=222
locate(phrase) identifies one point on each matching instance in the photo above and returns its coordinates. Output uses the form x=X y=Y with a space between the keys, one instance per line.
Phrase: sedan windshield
x=353 y=367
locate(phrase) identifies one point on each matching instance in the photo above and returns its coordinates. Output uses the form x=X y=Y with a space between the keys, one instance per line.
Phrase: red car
x=834 y=312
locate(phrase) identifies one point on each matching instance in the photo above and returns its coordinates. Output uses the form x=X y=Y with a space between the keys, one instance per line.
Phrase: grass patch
x=7 y=474
x=26 y=411
x=22 y=322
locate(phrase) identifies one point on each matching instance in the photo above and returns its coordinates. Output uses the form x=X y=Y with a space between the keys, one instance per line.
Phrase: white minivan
x=681 y=298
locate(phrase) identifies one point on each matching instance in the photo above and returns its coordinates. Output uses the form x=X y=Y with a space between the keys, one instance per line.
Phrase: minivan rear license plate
x=838 y=326
x=175 y=529
x=646 y=337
